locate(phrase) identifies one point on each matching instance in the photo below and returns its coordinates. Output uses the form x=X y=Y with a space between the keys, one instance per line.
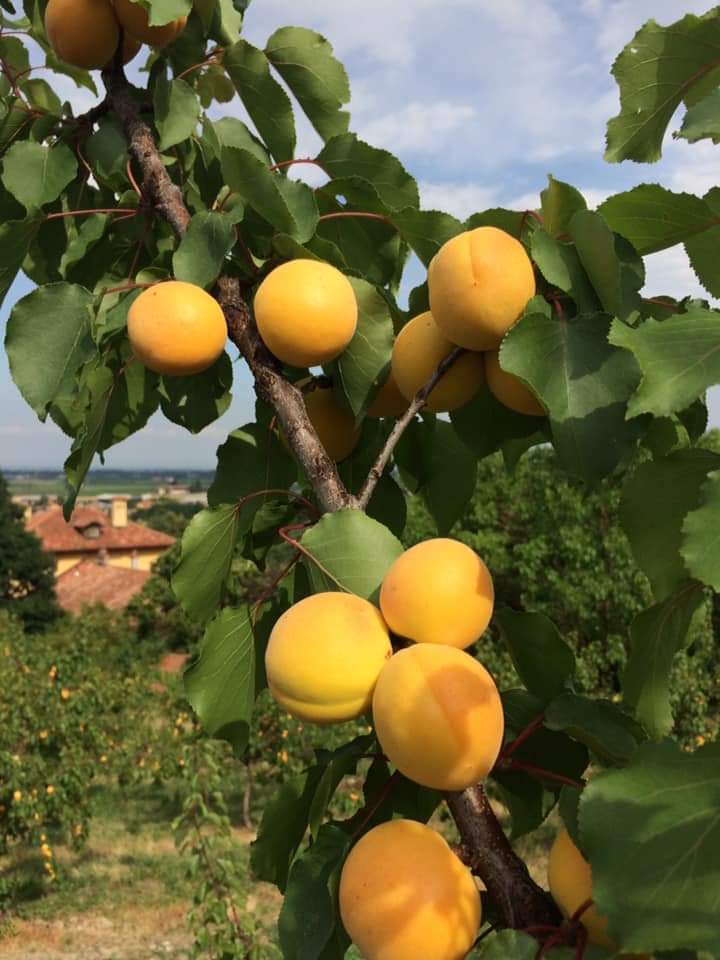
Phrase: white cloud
x=418 y=127
x=669 y=272
x=460 y=199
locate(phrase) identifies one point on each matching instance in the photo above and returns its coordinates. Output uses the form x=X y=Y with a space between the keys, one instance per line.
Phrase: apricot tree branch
x=401 y=424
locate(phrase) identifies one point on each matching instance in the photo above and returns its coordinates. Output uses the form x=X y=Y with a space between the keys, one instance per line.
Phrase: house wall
x=65 y=561
x=145 y=560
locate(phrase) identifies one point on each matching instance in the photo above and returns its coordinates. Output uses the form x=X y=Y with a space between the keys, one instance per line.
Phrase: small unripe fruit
x=404 y=895
x=438 y=591
x=479 y=282
x=438 y=716
x=83 y=33
x=388 y=401
x=306 y=312
x=510 y=390
x=134 y=20
x=324 y=657
x=570 y=881
x=419 y=349
x=176 y=328
x=334 y=426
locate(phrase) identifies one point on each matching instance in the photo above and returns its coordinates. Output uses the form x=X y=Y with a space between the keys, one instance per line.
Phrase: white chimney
x=119 y=512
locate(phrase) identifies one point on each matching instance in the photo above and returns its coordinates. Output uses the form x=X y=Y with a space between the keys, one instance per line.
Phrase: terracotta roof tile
x=57 y=536
x=89 y=582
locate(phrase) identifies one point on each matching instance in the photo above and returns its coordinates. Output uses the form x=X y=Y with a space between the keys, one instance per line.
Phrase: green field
x=134 y=483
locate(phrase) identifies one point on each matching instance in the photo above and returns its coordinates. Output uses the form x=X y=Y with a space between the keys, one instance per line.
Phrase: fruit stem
x=540 y=772
x=510 y=748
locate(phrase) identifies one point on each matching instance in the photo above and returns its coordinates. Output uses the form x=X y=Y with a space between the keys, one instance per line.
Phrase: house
x=91 y=581
x=109 y=539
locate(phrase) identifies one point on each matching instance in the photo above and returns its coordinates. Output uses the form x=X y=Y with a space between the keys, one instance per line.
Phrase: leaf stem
x=383 y=794
x=539 y=772
x=284 y=532
x=282 y=164
x=509 y=749
x=130 y=211
x=356 y=213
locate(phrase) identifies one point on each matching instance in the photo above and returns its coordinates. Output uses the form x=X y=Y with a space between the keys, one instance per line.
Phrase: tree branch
x=377 y=469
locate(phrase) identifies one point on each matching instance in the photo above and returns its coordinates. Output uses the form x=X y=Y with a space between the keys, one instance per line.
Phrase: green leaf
x=359 y=570
x=176 y=110
x=544 y=662
x=702 y=120
x=511 y=221
x=220 y=680
x=653 y=218
x=89 y=233
x=656 y=499
x=435 y=463
x=486 y=425
x=194 y=402
x=208 y=547
x=133 y=399
x=36 y=174
x=15 y=239
x=263 y=97
x=341 y=763
x=560 y=264
x=232 y=132
x=595 y=246
x=207 y=241
x=701 y=543
x=702 y=253
x=506 y=944
x=679 y=358
x=309 y=912
x=164 y=11
x=656 y=635
x=583 y=381
x=370 y=248
x=599 y=724
x=559 y=202
x=665 y=807
x=251 y=460
x=655 y=72
x=47 y=341
x=289 y=205
x=425 y=231
x=526 y=801
x=98 y=386
x=367 y=355
x=305 y=61
x=346 y=157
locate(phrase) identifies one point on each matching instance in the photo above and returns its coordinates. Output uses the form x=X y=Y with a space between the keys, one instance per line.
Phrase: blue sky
x=481 y=99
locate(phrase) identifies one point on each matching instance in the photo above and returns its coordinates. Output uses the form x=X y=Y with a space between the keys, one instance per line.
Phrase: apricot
x=570 y=881
x=510 y=390
x=438 y=591
x=306 y=312
x=83 y=33
x=480 y=282
x=419 y=348
x=405 y=895
x=388 y=401
x=134 y=20
x=334 y=426
x=438 y=716
x=324 y=656
x=176 y=328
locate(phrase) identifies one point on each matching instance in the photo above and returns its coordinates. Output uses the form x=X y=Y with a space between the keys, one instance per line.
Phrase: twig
x=377 y=469
x=539 y=772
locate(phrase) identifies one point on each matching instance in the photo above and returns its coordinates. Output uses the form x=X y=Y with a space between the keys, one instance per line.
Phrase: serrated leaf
x=666 y=802
x=702 y=253
x=176 y=110
x=360 y=570
x=595 y=246
x=560 y=264
x=207 y=241
x=263 y=97
x=346 y=157
x=250 y=461
x=486 y=425
x=194 y=402
x=36 y=174
x=305 y=61
x=289 y=205
x=231 y=132
x=47 y=341
x=679 y=358
x=701 y=535
x=653 y=218
x=599 y=724
x=583 y=381
x=702 y=120
x=559 y=201
x=435 y=463
x=370 y=248
x=220 y=681
x=15 y=239
x=542 y=659
x=425 y=231
x=208 y=547
x=656 y=636
x=655 y=72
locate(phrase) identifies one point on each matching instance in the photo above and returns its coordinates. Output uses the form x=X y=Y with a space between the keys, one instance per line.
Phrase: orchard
x=163 y=242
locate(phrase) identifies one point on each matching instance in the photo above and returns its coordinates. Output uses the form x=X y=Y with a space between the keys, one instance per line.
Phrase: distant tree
x=27 y=582
x=167 y=516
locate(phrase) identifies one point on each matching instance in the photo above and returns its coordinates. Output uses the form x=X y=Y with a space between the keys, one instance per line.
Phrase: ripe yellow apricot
x=438 y=591
x=570 y=881
x=419 y=348
x=176 y=328
x=510 y=390
x=438 y=716
x=334 y=426
x=405 y=895
x=134 y=20
x=324 y=656
x=83 y=33
x=388 y=401
x=480 y=282
x=306 y=312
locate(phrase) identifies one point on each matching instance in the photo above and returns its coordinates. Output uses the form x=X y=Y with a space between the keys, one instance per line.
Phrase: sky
x=481 y=100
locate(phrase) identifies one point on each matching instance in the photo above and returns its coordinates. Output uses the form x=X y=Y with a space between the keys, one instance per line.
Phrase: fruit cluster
x=86 y=33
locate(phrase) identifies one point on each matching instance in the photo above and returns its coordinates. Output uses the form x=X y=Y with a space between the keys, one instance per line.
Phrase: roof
x=57 y=536
x=90 y=582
